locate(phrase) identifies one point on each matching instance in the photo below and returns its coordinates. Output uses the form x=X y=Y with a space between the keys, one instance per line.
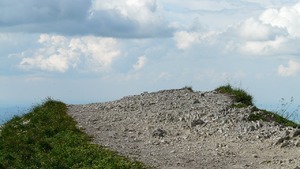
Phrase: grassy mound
x=240 y=95
x=48 y=138
x=244 y=100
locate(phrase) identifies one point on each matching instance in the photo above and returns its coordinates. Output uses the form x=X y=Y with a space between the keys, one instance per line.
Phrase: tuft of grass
x=189 y=88
x=48 y=138
x=243 y=99
x=240 y=95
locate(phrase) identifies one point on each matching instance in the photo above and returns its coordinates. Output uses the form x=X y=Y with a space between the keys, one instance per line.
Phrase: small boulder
x=281 y=140
x=197 y=122
x=159 y=133
x=251 y=128
x=196 y=101
x=296 y=133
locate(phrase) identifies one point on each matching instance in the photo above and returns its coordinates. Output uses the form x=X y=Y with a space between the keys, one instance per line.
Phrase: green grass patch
x=240 y=95
x=243 y=99
x=48 y=138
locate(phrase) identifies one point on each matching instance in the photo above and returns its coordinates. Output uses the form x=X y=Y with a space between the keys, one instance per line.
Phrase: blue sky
x=82 y=51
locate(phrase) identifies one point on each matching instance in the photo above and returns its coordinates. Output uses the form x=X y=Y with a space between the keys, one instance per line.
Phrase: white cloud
x=286 y=17
x=59 y=54
x=263 y=47
x=141 y=11
x=114 y=18
x=291 y=70
x=140 y=63
x=185 y=39
x=276 y=31
x=254 y=30
x=130 y=18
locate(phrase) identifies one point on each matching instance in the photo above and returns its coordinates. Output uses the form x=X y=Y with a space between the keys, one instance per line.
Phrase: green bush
x=48 y=138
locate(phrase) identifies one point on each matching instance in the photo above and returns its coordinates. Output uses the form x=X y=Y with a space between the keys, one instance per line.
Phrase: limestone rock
x=197 y=122
x=159 y=133
x=296 y=133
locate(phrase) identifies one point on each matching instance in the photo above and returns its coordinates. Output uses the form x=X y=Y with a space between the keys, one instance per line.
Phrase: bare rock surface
x=180 y=128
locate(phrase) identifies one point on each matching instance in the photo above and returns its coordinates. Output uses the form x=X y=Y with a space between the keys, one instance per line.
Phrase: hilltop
x=176 y=128
x=182 y=128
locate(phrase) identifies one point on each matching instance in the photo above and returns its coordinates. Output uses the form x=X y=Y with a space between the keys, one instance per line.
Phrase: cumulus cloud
x=285 y=17
x=140 y=63
x=263 y=47
x=59 y=54
x=254 y=30
x=274 y=32
x=291 y=69
x=141 y=18
x=116 y=18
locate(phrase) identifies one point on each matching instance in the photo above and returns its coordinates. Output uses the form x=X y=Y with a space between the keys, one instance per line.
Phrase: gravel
x=181 y=128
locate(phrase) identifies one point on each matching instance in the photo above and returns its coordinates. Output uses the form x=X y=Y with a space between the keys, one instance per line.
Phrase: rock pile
x=185 y=129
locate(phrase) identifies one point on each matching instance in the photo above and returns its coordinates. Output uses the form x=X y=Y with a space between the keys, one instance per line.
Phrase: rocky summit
x=182 y=128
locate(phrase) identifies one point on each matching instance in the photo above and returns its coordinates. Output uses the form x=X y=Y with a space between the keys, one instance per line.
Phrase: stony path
x=185 y=129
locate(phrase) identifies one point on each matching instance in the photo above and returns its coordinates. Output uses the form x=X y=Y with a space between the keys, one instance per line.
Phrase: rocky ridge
x=181 y=128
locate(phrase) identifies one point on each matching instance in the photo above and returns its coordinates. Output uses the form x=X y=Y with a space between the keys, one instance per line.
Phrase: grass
x=243 y=99
x=269 y=116
x=48 y=138
x=240 y=96
x=189 y=88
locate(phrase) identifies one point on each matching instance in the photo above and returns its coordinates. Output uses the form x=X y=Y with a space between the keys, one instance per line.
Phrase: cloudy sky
x=82 y=51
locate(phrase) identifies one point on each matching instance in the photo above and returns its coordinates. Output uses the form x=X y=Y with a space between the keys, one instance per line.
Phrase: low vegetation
x=243 y=99
x=269 y=116
x=189 y=88
x=48 y=138
x=240 y=96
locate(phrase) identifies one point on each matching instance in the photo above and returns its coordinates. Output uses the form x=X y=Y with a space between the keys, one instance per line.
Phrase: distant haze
x=9 y=112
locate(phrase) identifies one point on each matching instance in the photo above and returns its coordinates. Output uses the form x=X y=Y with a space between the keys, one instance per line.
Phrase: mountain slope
x=185 y=129
x=48 y=138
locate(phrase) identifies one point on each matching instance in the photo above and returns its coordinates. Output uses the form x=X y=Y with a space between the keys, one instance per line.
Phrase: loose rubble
x=184 y=129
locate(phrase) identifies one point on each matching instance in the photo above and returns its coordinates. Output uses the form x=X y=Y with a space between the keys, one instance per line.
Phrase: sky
x=84 y=51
